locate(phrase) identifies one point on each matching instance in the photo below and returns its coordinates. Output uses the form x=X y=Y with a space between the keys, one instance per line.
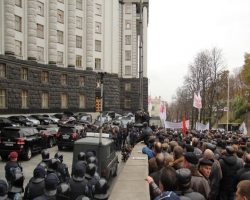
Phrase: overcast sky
x=179 y=29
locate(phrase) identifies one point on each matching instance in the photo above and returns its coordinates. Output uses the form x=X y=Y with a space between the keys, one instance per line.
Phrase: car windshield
x=10 y=133
x=66 y=130
x=30 y=117
x=7 y=121
x=22 y=118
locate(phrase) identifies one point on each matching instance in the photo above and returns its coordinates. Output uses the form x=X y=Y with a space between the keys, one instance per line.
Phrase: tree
x=246 y=69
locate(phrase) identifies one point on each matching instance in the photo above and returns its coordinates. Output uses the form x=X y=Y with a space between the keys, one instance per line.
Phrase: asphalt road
x=29 y=166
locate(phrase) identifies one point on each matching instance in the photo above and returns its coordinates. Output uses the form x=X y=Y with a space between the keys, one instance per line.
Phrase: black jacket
x=242 y=171
x=33 y=190
x=145 y=135
x=78 y=188
x=214 y=178
x=11 y=168
x=229 y=168
x=193 y=195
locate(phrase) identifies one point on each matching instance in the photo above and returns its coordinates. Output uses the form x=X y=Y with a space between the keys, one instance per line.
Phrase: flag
x=197 y=101
x=149 y=103
x=184 y=125
x=243 y=128
x=163 y=111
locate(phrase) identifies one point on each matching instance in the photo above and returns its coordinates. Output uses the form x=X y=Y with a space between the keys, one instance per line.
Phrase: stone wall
x=114 y=92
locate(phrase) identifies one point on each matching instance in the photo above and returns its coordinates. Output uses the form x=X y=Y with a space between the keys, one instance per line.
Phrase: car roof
x=93 y=141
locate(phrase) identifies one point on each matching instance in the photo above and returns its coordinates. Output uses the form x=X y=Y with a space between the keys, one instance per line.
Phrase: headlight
x=28 y=123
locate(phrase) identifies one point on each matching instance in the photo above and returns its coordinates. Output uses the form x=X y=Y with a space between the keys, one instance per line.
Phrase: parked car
x=109 y=113
x=106 y=155
x=84 y=117
x=67 y=135
x=32 y=119
x=24 y=140
x=59 y=115
x=50 y=132
x=52 y=118
x=21 y=120
x=105 y=120
x=43 y=120
x=5 y=122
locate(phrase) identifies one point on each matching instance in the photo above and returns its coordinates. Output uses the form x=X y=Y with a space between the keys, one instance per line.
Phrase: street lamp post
x=247 y=95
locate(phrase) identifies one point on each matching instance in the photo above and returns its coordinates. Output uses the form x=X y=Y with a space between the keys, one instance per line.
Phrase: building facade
x=51 y=53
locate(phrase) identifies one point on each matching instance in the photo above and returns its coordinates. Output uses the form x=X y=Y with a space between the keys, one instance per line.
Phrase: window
x=45 y=76
x=59 y=57
x=40 y=31
x=60 y=16
x=60 y=37
x=64 y=100
x=127 y=70
x=45 y=100
x=40 y=8
x=18 y=48
x=98 y=45
x=127 y=8
x=98 y=9
x=18 y=23
x=127 y=55
x=79 y=22
x=18 y=3
x=82 y=101
x=40 y=53
x=128 y=24
x=127 y=102
x=97 y=27
x=64 y=79
x=61 y=1
x=97 y=63
x=24 y=97
x=127 y=86
x=3 y=98
x=24 y=73
x=79 y=4
x=78 y=61
x=78 y=41
x=2 y=70
x=127 y=39
x=82 y=81
x=98 y=82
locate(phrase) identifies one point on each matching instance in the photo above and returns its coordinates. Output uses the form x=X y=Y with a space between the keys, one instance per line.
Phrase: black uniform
x=45 y=197
x=44 y=141
x=64 y=171
x=34 y=189
x=78 y=188
x=11 y=168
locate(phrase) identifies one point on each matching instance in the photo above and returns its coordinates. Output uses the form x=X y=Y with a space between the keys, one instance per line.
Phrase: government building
x=52 y=50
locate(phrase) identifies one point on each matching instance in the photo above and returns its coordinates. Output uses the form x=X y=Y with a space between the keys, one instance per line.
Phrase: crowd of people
x=197 y=165
x=52 y=181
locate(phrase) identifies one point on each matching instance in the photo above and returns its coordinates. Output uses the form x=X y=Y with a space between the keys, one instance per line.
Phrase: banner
x=174 y=125
x=201 y=127
x=197 y=101
x=243 y=128
x=149 y=103
x=163 y=111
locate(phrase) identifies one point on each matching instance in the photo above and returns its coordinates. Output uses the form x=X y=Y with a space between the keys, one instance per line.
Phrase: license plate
x=7 y=144
x=65 y=137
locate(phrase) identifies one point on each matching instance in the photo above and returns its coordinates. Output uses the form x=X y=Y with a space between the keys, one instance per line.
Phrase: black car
x=50 y=132
x=59 y=115
x=43 y=120
x=67 y=134
x=24 y=140
x=5 y=122
x=21 y=120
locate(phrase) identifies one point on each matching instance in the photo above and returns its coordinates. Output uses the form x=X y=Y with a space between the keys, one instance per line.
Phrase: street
x=28 y=166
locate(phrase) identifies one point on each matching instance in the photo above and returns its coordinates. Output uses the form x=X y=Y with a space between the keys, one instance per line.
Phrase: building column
x=32 y=30
x=89 y=34
x=9 y=36
x=71 y=33
x=52 y=31
x=134 y=65
x=145 y=41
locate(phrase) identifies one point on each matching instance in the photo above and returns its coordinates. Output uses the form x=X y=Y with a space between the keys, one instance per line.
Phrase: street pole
x=100 y=135
x=227 y=99
x=140 y=62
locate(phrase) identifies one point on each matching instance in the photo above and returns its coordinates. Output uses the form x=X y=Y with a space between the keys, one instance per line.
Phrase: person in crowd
x=198 y=182
x=16 y=186
x=3 y=190
x=44 y=139
x=63 y=192
x=205 y=166
x=178 y=158
x=165 y=147
x=184 y=177
x=45 y=157
x=36 y=185
x=12 y=166
x=160 y=164
x=50 y=187
x=152 y=162
x=94 y=160
x=101 y=190
x=245 y=169
x=145 y=134
x=229 y=167
x=149 y=149
x=62 y=168
x=195 y=143
x=52 y=168
x=243 y=189
x=90 y=177
x=78 y=183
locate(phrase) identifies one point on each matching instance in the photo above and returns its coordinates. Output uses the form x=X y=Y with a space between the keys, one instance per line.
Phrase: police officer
x=82 y=197
x=45 y=157
x=62 y=168
x=94 y=160
x=145 y=135
x=51 y=182
x=3 y=190
x=12 y=166
x=90 y=176
x=44 y=139
x=16 y=187
x=101 y=189
x=52 y=168
x=35 y=187
x=81 y=159
x=63 y=192
x=78 y=184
